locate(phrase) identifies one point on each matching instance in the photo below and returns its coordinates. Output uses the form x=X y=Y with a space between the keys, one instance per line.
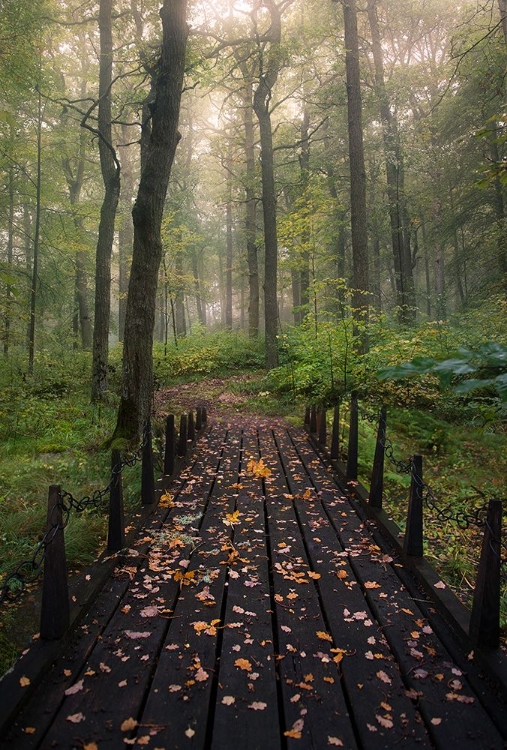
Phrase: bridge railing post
x=377 y=472
x=352 y=456
x=322 y=426
x=116 y=523
x=55 y=608
x=413 y=542
x=335 y=435
x=147 y=475
x=307 y=417
x=191 y=426
x=169 y=446
x=313 y=420
x=485 y=618
x=182 y=442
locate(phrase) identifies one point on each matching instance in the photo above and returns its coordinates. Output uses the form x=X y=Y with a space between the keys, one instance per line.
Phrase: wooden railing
x=482 y=625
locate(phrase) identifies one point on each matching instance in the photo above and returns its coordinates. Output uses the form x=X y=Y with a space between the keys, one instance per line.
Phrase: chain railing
x=62 y=503
x=484 y=621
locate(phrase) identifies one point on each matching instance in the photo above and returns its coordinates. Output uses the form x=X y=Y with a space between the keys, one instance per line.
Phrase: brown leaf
x=75 y=688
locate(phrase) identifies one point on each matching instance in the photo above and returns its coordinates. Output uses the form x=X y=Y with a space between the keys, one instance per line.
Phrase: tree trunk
x=10 y=258
x=360 y=301
x=229 y=243
x=400 y=238
x=304 y=161
x=250 y=215
x=179 y=296
x=137 y=382
x=125 y=230
x=36 y=243
x=502 y=7
x=269 y=69
x=111 y=176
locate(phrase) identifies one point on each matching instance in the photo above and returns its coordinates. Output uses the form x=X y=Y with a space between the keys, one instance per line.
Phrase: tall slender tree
x=137 y=371
x=110 y=167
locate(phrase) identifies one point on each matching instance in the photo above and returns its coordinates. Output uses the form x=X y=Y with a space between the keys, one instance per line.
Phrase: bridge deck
x=258 y=611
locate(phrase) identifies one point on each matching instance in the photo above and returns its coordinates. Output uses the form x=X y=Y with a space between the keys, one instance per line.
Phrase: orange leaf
x=324 y=636
x=243 y=664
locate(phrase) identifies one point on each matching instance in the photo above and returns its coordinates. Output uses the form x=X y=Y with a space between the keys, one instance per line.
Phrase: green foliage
x=207 y=354
x=488 y=364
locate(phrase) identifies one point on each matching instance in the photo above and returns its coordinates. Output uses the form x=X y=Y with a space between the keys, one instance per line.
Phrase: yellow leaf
x=29 y=730
x=324 y=636
x=128 y=725
x=342 y=574
x=166 y=500
x=313 y=575
x=232 y=518
x=24 y=681
x=258 y=469
x=292 y=734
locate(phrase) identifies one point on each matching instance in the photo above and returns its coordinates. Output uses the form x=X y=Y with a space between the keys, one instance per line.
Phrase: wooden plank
x=184 y=685
x=444 y=698
x=246 y=713
x=315 y=711
x=383 y=713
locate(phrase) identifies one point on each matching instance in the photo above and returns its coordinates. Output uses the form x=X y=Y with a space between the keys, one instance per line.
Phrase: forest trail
x=259 y=610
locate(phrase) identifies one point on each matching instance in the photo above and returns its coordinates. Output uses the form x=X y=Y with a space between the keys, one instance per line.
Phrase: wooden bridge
x=258 y=608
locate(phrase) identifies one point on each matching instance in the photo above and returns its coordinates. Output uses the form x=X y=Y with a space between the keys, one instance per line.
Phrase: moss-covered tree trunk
x=137 y=374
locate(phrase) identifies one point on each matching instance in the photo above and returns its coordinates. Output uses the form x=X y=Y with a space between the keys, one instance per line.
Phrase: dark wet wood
x=257 y=610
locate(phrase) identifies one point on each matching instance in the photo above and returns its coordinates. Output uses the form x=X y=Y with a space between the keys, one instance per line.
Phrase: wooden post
x=377 y=472
x=307 y=417
x=323 y=427
x=204 y=416
x=485 y=617
x=313 y=420
x=55 y=607
x=191 y=426
x=353 y=439
x=413 y=542
x=116 y=525
x=182 y=442
x=169 y=446
x=198 y=418
x=335 y=440
x=147 y=476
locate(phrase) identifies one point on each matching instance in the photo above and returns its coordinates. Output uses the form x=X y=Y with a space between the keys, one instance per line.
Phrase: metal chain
x=28 y=570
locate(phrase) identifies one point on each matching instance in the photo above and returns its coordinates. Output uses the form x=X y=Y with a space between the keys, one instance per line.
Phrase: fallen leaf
x=91 y=746
x=189 y=733
x=258 y=706
x=436 y=721
x=440 y=585
x=384 y=677
x=75 y=688
x=135 y=635
x=24 y=681
x=342 y=574
x=149 y=612
x=335 y=741
x=292 y=734
x=128 y=725
x=384 y=721
x=324 y=636
x=29 y=730
x=228 y=700
x=371 y=585
x=75 y=718
x=243 y=664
